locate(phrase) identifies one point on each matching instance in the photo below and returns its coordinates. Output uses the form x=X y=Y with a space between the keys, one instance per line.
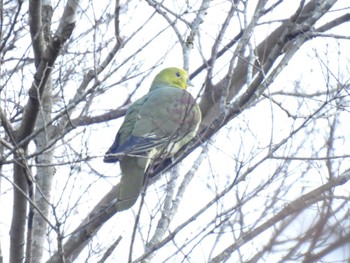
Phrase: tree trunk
x=44 y=176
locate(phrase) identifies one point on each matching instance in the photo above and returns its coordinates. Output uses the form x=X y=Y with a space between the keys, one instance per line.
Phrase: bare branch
x=36 y=30
x=297 y=205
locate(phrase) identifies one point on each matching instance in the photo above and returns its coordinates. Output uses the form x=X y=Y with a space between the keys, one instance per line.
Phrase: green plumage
x=155 y=127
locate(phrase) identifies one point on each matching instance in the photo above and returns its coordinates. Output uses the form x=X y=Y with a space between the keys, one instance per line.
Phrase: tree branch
x=296 y=206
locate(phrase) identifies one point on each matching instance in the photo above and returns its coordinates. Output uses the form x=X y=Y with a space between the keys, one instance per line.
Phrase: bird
x=155 y=128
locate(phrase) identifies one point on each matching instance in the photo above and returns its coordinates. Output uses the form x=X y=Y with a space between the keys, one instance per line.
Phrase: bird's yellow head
x=175 y=77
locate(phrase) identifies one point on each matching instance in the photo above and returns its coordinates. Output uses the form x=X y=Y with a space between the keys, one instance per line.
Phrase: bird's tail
x=131 y=183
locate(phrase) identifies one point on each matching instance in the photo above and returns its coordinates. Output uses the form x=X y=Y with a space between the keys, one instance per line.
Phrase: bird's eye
x=178 y=74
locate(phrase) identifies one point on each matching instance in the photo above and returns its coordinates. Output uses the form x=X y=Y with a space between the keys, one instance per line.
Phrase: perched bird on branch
x=155 y=127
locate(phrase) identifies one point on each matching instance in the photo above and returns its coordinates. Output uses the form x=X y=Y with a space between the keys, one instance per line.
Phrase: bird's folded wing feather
x=135 y=145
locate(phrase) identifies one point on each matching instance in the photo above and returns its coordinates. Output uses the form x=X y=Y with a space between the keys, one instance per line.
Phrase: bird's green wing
x=169 y=116
x=125 y=131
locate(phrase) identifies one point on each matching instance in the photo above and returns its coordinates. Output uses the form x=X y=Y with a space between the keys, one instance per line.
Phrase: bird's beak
x=189 y=83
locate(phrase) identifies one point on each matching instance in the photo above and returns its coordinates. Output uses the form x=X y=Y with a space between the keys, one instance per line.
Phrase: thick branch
x=87 y=120
x=44 y=70
x=187 y=45
x=36 y=30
